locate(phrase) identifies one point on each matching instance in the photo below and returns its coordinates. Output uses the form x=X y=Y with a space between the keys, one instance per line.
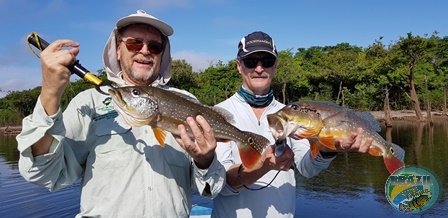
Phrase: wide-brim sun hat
x=112 y=65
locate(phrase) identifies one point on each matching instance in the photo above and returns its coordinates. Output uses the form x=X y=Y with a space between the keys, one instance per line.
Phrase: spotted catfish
x=164 y=110
x=324 y=122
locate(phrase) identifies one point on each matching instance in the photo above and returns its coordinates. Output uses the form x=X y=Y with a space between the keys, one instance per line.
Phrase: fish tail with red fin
x=251 y=147
x=249 y=157
x=392 y=163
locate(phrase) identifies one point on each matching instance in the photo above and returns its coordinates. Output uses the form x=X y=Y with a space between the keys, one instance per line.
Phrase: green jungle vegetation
x=410 y=73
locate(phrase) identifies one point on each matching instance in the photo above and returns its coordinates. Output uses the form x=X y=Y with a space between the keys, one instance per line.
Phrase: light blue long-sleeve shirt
x=124 y=171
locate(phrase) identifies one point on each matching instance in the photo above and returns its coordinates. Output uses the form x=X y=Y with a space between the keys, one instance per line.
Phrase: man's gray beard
x=147 y=78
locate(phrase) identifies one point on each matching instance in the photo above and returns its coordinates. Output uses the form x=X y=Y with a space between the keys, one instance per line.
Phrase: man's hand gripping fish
x=322 y=122
x=164 y=110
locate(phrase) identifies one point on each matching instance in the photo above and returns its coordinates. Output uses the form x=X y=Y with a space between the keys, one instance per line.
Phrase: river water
x=353 y=185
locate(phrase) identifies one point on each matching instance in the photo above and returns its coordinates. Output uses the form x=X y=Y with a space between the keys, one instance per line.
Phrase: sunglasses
x=266 y=62
x=135 y=45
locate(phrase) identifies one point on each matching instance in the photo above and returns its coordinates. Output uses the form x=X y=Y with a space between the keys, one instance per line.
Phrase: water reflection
x=354 y=183
x=8 y=150
x=352 y=186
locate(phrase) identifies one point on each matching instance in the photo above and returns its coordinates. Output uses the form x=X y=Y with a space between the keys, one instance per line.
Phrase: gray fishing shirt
x=124 y=171
x=279 y=198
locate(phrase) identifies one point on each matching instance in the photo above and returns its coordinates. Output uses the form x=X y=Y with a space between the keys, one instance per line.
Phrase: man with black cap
x=124 y=171
x=267 y=190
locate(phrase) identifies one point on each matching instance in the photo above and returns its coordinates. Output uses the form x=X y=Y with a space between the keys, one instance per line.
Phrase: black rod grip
x=77 y=68
x=38 y=42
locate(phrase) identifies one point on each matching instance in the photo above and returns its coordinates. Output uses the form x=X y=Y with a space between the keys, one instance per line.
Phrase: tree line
x=409 y=73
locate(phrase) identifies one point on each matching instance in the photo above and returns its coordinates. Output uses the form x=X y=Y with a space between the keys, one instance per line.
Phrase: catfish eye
x=392 y=150
x=250 y=140
x=294 y=107
x=135 y=92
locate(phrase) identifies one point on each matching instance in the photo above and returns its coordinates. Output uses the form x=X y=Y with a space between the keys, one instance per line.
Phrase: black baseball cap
x=256 y=42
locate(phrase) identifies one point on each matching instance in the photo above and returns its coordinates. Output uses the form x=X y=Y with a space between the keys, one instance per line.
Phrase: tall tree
x=289 y=79
x=413 y=49
x=378 y=65
x=440 y=65
x=217 y=83
x=182 y=76
x=342 y=68
x=312 y=62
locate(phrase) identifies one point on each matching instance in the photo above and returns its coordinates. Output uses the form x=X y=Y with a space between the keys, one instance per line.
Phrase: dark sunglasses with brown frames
x=135 y=45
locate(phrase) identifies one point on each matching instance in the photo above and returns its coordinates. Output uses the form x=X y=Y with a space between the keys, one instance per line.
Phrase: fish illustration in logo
x=416 y=203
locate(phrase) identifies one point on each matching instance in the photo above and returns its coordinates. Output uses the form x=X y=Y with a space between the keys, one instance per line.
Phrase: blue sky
x=206 y=31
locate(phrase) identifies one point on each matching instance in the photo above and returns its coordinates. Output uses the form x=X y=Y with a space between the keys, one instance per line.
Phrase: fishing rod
x=76 y=68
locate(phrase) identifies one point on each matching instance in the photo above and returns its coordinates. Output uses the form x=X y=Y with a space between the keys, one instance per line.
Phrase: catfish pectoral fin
x=160 y=136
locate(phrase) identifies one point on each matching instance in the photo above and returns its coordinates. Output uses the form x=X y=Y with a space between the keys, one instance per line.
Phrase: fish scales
x=184 y=108
x=164 y=110
x=324 y=122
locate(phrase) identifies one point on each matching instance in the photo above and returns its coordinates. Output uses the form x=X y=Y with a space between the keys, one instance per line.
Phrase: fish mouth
x=276 y=124
x=119 y=103
x=117 y=98
x=298 y=127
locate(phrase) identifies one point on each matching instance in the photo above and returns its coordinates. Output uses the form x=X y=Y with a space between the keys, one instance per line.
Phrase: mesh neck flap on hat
x=113 y=68
x=112 y=65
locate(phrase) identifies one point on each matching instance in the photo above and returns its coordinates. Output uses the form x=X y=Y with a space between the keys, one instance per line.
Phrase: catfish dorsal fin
x=225 y=113
x=337 y=119
x=370 y=119
x=179 y=92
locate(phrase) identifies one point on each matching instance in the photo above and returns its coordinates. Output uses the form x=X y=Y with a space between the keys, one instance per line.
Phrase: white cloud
x=199 y=61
